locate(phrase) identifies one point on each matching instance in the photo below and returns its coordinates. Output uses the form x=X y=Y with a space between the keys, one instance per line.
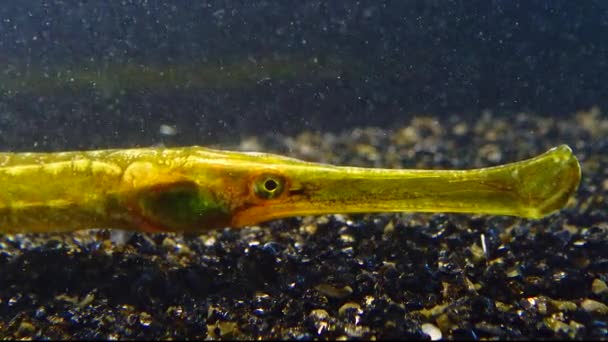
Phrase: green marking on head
x=183 y=206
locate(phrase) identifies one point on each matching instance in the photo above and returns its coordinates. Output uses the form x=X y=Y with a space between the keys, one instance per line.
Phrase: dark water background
x=88 y=74
x=446 y=83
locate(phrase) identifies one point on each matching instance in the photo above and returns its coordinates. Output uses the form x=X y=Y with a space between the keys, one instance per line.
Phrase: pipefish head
x=262 y=188
x=248 y=188
x=277 y=187
x=201 y=189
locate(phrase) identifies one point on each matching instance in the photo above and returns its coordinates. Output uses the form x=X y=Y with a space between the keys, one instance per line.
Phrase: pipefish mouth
x=192 y=189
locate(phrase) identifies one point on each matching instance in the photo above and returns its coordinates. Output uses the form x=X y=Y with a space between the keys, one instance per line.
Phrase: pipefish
x=192 y=189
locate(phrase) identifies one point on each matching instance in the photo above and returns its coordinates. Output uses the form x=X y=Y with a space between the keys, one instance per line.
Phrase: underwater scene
x=309 y=170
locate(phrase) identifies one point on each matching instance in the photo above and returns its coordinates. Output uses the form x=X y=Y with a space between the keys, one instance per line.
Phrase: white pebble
x=431 y=330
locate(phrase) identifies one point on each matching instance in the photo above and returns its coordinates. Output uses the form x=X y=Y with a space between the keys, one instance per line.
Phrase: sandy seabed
x=406 y=275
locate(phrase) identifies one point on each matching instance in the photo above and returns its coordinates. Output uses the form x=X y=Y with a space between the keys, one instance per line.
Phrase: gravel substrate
x=406 y=275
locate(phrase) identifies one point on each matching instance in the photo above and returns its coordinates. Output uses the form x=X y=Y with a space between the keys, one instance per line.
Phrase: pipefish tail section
x=194 y=188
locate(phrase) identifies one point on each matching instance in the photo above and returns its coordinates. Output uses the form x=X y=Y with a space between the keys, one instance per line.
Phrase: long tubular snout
x=531 y=188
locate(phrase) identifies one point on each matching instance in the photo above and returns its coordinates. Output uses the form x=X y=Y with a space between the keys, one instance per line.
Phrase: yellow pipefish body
x=194 y=189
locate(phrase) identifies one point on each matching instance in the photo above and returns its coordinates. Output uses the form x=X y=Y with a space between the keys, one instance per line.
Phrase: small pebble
x=349 y=306
x=599 y=287
x=594 y=306
x=432 y=331
x=319 y=314
x=333 y=291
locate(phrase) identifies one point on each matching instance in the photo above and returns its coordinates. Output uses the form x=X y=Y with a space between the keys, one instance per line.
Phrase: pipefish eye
x=269 y=186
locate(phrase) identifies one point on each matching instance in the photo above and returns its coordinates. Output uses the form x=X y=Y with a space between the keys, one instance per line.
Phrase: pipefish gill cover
x=354 y=222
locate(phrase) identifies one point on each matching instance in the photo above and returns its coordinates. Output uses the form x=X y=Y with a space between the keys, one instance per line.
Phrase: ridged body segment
x=44 y=192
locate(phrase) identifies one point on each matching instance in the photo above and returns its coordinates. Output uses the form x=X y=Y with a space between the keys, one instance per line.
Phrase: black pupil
x=270 y=185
